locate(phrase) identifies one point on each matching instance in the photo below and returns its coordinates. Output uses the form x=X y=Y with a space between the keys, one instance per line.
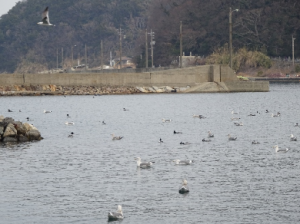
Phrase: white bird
x=143 y=164
x=231 y=138
x=45 y=18
x=210 y=135
x=116 y=137
x=166 y=120
x=47 y=111
x=232 y=112
x=116 y=215
x=183 y=162
x=194 y=115
x=238 y=124
x=235 y=118
x=184 y=188
x=69 y=123
x=277 y=149
x=255 y=142
x=293 y=138
x=275 y=115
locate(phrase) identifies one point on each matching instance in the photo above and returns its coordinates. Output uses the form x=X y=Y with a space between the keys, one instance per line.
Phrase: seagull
x=69 y=123
x=255 y=142
x=293 y=138
x=238 y=124
x=177 y=132
x=277 y=149
x=116 y=215
x=194 y=115
x=235 y=118
x=166 y=120
x=232 y=112
x=184 y=188
x=71 y=135
x=275 y=115
x=45 y=18
x=206 y=140
x=231 y=138
x=47 y=111
x=210 y=135
x=160 y=141
x=116 y=137
x=144 y=164
x=183 y=162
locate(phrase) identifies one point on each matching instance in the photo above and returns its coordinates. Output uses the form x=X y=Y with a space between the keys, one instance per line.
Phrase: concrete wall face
x=171 y=77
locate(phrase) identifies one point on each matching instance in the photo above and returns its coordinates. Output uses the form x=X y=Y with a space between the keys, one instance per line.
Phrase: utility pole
x=146 y=48
x=79 y=62
x=180 y=44
x=230 y=33
x=293 y=46
x=101 y=54
x=62 y=58
x=120 y=47
x=85 y=55
x=152 y=43
x=57 y=58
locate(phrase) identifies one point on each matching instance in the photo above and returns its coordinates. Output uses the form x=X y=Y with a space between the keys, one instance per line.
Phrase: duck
x=177 y=132
x=124 y=109
x=230 y=138
x=160 y=141
x=166 y=120
x=296 y=125
x=275 y=115
x=184 y=143
x=238 y=124
x=103 y=123
x=112 y=216
x=184 y=188
x=9 y=110
x=206 y=140
x=293 y=138
x=210 y=135
x=47 y=111
x=116 y=137
x=143 y=164
x=71 y=135
x=255 y=142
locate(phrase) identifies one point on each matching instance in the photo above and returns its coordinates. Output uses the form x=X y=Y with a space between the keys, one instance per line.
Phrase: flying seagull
x=45 y=18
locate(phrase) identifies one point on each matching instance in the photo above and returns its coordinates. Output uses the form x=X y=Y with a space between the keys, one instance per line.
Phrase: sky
x=6 y=5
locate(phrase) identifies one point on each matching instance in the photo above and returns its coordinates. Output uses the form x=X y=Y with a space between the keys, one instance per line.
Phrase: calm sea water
x=81 y=179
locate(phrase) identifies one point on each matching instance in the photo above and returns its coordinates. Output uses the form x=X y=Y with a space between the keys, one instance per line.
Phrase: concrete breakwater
x=16 y=131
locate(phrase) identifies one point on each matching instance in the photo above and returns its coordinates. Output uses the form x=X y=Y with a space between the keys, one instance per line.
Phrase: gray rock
x=33 y=135
x=10 y=139
x=8 y=120
x=10 y=131
x=1 y=118
x=21 y=130
x=1 y=130
x=23 y=138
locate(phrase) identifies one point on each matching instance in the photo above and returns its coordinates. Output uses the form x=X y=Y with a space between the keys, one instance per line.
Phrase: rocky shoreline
x=39 y=90
x=16 y=131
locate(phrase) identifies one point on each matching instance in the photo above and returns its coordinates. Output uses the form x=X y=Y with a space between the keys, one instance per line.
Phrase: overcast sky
x=6 y=5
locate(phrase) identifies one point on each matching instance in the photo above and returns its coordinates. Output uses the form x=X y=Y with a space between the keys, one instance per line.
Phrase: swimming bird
x=296 y=125
x=238 y=124
x=230 y=138
x=71 y=135
x=267 y=111
x=69 y=123
x=235 y=118
x=293 y=138
x=184 y=143
x=116 y=137
x=160 y=141
x=177 y=132
x=275 y=115
x=166 y=120
x=124 y=109
x=47 y=111
x=210 y=135
x=183 y=162
x=206 y=140
x=28 y=119
x=9 y=110
x=251 y=115
x=277 y=149
x=255 y=142
x=194 y=115
x=143 y=164
x=201 y=117
x=112 y=216
x=68 y=116
x=184 y=188
x=45 y=18
x=103 y=123
x=20 y=111
x=232 y=112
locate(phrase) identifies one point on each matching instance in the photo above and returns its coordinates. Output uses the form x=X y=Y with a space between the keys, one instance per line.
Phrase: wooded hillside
x=265 y=25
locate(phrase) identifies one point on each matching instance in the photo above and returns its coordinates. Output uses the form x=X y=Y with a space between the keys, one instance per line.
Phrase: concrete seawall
x=191 y=76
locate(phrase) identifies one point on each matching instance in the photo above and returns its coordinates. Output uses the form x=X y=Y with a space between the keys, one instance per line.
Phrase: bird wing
x=45 y=16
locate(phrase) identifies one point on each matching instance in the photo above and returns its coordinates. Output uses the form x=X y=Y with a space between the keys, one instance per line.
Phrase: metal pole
x=180 y=44
x=57 y=58
x=146 y=48
x=230 y=36
x=152 y=47
x=101 y=54
x=293 y=46
x=72 y=56
x=62 y=58
x=85 y=55
x=120 y=48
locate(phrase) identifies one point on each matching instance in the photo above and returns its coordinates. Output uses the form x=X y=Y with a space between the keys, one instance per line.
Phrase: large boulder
x=10 y=139
x=10 y=131
x=1 y=130
x=33 y=135
x=23 y=138
x=21 y=130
